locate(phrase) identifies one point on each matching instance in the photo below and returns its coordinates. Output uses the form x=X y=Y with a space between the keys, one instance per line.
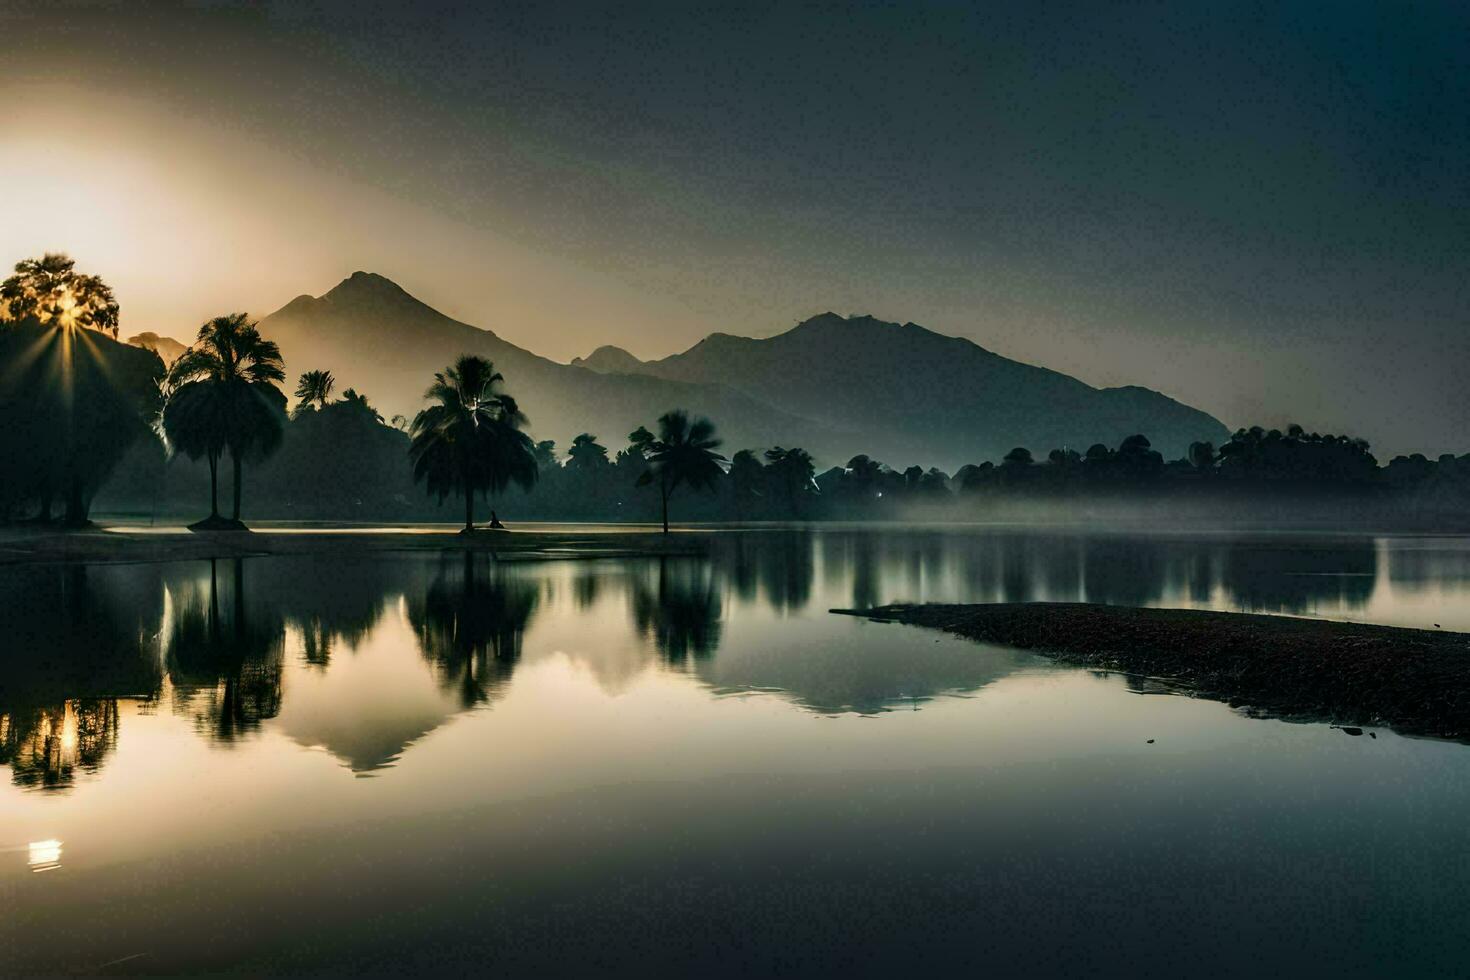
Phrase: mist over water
x=430 y=761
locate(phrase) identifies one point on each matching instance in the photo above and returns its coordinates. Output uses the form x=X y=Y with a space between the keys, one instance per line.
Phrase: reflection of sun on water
x=45 y=855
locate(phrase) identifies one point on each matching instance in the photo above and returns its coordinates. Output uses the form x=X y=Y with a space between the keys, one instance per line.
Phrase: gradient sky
x=1261 y=209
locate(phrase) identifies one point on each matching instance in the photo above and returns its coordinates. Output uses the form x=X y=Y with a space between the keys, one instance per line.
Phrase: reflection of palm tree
x=229 y=658
x=470 y=630
x=684 y=452
x=681 y=614
x=222 y=395
x=470 y=441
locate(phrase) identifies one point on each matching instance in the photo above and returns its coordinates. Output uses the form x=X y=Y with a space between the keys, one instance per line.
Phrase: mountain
x=832 y=385
x=375 y=337
x=166 y=348
x=919 y=396
x=608 y=359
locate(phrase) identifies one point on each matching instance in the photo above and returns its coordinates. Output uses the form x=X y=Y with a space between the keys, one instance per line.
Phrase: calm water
x=634 y=767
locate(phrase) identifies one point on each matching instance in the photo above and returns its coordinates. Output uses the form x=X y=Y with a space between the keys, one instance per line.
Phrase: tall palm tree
x=314 y=388
x=222 y=396
x=470 y=440
x=683 y=452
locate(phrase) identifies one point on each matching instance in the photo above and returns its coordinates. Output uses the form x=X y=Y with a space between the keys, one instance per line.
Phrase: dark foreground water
x=421 y=763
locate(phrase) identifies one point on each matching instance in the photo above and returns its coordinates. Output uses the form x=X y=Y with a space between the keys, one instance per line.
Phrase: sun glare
x=66 y=306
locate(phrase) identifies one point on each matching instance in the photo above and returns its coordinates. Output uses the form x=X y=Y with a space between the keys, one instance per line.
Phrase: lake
x=416 y=762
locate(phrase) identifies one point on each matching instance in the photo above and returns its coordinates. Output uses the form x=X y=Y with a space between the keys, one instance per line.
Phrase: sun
x=66 y=310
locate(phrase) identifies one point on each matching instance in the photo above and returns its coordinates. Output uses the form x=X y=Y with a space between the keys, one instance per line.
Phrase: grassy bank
x=1414 y=681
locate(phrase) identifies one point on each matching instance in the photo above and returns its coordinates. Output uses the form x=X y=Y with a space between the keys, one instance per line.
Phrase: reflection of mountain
x=76 y=640
x=866 y=670
x=470 y=623
x=367 y=709
x=679 y=612
x=224 y=654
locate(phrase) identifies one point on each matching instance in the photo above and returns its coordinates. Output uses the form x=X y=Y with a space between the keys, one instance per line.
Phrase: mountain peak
x=368 y=287
x=830 y=321
x=609 y=359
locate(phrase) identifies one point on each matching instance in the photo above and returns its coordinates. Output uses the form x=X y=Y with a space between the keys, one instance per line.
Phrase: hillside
x=166 y=348
x=375 y=337
x=922 y=396
x=832 y=385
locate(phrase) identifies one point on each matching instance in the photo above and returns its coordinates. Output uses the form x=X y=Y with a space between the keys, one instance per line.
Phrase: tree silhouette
x=72 y=402
x=357 y=404
x=747 y=481
x=544 y=452
x=791 y=472
x=314 y=388
x=51 y=291
x=71 y=399
x=1019 y=457
x=470 y=441
x=684 y=452
x=222 y=396
x=586 y=455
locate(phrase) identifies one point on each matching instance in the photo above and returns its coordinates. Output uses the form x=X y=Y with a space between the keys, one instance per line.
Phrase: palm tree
x=222 y=396
x=470 y=440
x=684 y=452
x=314 y=388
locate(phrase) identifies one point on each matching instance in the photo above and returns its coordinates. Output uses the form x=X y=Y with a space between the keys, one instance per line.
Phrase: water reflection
x=45 y=746
x=470 y=623
x=679 y=611
x=224 y=654
x=364 y=659
x=76 y=640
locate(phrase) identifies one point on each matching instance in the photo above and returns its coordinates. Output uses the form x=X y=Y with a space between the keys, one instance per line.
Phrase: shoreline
x=1415 y=682
x=130 y=544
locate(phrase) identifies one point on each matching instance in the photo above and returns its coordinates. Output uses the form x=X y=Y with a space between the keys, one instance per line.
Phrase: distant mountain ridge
x=166 y=348
x=924 y=395
x=377 y=338
x=833 y=385
x=608 y=359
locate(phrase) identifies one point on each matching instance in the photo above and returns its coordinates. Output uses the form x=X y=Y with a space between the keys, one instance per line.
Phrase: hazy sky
x=1262 y=209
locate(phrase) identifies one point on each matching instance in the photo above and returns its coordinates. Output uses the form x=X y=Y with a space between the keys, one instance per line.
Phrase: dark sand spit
x=22 y=545
x=1416 y=682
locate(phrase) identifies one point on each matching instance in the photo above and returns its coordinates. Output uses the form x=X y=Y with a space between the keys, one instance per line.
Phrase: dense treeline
x=82 y=415
x=341 y=461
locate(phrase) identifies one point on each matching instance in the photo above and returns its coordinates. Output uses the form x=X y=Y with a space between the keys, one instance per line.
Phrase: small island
x=1415 y=681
